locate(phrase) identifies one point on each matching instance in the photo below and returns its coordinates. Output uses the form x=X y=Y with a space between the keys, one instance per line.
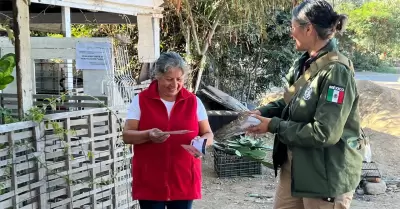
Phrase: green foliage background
x=251 y=48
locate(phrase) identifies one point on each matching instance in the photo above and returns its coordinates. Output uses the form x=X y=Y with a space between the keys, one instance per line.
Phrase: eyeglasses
x=299 y=25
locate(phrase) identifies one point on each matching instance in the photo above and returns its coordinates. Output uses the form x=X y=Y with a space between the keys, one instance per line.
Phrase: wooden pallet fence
x=87 y=165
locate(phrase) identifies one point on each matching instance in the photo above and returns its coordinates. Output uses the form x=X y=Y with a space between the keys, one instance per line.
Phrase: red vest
x=166 y=171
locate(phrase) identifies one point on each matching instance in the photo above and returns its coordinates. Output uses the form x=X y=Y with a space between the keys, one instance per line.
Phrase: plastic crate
x=227 y=165
x=370 y=170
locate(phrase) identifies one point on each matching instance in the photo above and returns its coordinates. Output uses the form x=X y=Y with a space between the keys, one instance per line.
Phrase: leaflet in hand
x=251 y=121
x=197 y=147
x=177 y=132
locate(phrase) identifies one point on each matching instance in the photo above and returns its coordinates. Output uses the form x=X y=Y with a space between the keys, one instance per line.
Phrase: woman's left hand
x=260 y=128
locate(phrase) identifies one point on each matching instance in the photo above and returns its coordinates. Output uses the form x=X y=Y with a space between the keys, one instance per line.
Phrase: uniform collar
x=330 y=46
x=152 y=92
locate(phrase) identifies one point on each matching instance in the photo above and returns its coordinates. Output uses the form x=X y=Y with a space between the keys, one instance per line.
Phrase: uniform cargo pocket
x=309 y=171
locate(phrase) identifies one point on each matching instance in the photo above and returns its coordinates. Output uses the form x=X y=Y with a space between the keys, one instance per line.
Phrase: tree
x=375 y=26
x=247 y=64
x=199 y=21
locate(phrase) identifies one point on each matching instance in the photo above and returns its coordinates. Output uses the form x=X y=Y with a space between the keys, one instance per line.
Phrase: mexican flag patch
x=335 y=94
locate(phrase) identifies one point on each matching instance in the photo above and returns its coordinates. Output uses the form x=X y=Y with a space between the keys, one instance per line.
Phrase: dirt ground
x=381 y=118
x=258 y=192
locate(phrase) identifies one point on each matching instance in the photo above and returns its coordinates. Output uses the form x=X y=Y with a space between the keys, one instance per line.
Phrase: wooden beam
x=135 y=7
x=23 y=55
x=66 y=28
x=76 y=18
x=149 y=38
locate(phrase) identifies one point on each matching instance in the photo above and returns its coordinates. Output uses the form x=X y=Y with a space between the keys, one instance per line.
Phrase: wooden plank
x=41 y=170
x=3 y=139
x=58 y=193
x=67 y=138
x=82 y=17
x=26 y=157
x=28 y=196
x=73 y=114
x=26 y=178
x=67 y=162
x=70 y=97
x=81 y=202
x=54 y=206
x=78 y=122
x=23 y=135
x=92 y=159
x=53 y=54
x=52 y=43
x=8 y=195
x=112 y=6
x=80 y=169
x=16 y=126
x=65 y=104
x=4 y=152
x=30 y=206
x=104 y=204
x=98 y=119
x=49 y=96
x=5 y=203
x=24 y=166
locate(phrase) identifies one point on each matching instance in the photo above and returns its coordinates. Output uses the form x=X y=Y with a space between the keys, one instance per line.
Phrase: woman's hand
x=260 y=128
x=157 y=136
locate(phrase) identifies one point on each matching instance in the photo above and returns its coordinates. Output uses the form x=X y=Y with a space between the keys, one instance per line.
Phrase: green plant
x=7 y=64
x=246 y=146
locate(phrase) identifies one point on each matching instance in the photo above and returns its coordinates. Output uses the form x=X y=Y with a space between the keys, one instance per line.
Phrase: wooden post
x=68 y=154
x=38 y=134
x=23 y=55
x=114 y=155
x=149 y=38
x=66 y=29
x=13 y=171
x=92 y=160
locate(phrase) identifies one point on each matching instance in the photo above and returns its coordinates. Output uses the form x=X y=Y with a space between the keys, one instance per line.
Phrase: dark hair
x=322 y=16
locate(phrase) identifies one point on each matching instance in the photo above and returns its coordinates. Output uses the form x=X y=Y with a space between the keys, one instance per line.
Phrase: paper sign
x=94 y=56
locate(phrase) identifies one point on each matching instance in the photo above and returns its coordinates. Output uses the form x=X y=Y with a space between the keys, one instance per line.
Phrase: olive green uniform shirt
x=316 y=126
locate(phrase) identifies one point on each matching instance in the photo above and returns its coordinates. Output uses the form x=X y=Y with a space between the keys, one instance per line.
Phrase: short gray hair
x=166 y=61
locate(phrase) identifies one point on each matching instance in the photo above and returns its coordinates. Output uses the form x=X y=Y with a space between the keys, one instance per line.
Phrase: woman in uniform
x=317 y=118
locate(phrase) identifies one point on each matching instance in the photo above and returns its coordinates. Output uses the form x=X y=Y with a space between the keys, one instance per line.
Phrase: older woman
x=317 y=118
x=164 y=173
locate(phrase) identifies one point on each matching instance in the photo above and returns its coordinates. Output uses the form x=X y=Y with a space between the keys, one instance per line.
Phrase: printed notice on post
x=93 y=56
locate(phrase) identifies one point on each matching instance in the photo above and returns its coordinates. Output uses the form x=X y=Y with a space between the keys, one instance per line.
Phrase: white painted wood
x=41 y=170
x=127 y=7
x=59 y=48
x=66 y=28
x=13 y=170
x=156 y=37
x=66 y=21
x=53 y=43
x=149 y=38
x=49 y=184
